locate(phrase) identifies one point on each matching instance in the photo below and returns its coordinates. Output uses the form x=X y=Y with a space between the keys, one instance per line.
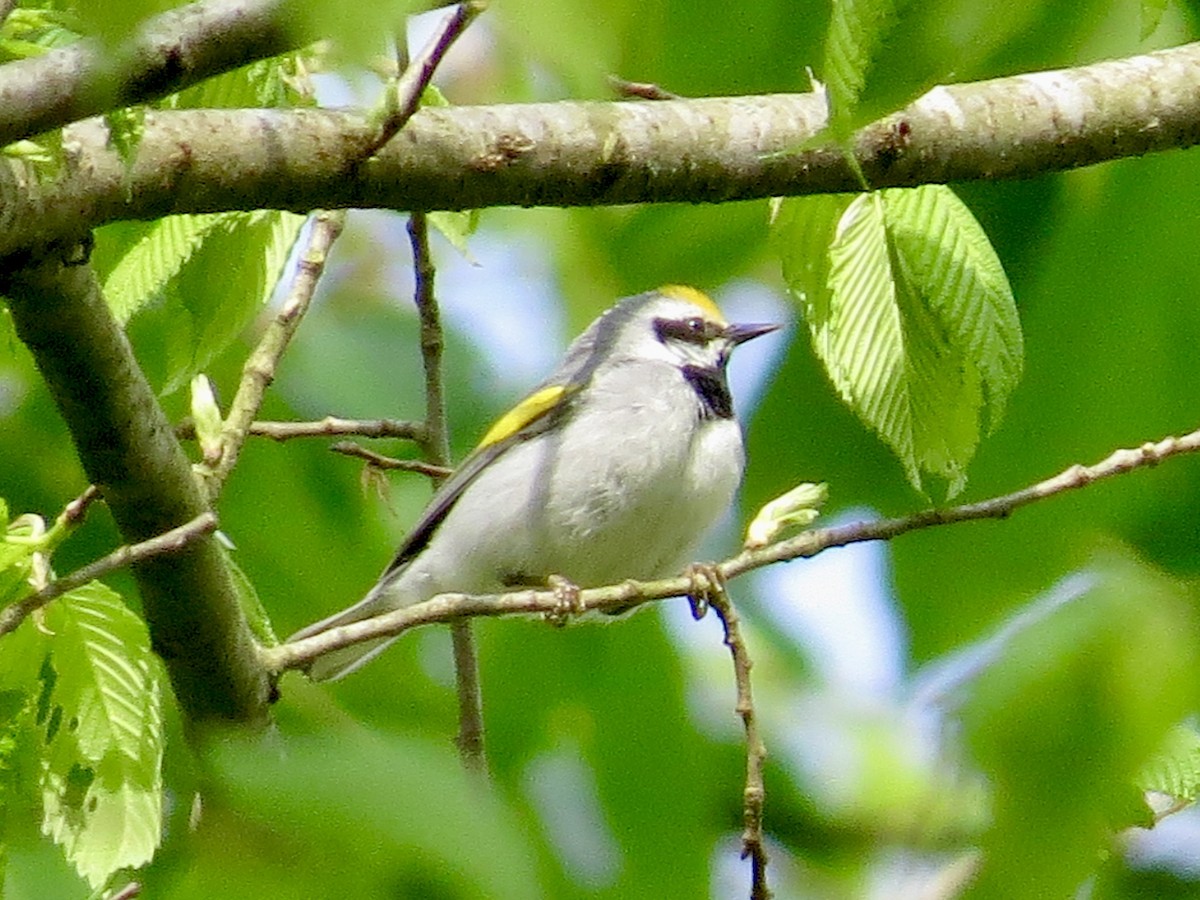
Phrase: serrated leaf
x=857 y=29
x=101 y=773
x=212 y=298
x=915 y=323
x=141 y=275
x=1175 y=768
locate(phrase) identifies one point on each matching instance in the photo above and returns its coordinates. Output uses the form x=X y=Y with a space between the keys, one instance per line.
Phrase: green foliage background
x=616 y=753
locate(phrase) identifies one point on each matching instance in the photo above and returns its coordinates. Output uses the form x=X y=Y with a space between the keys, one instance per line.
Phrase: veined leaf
x=962 y=280
x=209 y=301
x=1175 y=768
x=101 y=778
x=144 y=271
x=857 y=28
x=911 y=314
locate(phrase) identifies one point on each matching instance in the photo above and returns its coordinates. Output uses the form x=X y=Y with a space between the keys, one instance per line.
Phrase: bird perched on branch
x=614 y=468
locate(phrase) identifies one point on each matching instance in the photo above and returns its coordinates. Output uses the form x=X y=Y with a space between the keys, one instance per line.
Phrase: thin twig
x=77 y=508
x=167 y=542
x=259 y=370
x=379 y=461
x=330 y=426
x=403 y=100
x=131 y=890
x=754 y=795
x=640 y=90
x=448 y=607
x=437 y=452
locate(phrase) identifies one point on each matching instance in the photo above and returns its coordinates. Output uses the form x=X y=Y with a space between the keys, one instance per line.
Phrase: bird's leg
x=707 y=580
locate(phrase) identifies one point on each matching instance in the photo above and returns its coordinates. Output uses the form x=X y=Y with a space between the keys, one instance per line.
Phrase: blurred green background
x=616 y=753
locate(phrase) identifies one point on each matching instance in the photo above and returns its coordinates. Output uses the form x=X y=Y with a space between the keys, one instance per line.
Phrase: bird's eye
x=692 y=330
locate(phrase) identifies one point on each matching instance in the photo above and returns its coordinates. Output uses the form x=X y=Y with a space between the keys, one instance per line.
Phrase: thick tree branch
x=171 y=51
x=129 y=451
x=449 y=607
x=564 y=154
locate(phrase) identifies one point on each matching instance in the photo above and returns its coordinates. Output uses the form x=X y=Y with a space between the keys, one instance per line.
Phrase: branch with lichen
x=450 y=607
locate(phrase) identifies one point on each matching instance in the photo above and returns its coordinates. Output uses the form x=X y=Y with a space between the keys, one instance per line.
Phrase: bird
x=613 y=468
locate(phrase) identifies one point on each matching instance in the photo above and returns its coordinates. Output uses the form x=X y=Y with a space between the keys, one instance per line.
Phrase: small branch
x=379 y=461
x=436 y=444
x=639 y=90
x=168 y=542
x=437 y=451
x=259 y=371
x=754 y=794
x=405 y=99
x=330 y=426
x=448 y=607
x=469 y=739
x=77 y=508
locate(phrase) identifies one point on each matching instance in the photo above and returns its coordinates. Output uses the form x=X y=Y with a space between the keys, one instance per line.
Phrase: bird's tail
x=339 y=663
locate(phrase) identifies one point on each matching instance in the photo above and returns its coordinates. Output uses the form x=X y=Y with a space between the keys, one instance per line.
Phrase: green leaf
x=125 y=129
x=1080 y=693
x=1175 y=768
x=910 y=312
x=141 y=275
x=1151 y=14
x=214 y=296
x=101 y=779
x=857 y=30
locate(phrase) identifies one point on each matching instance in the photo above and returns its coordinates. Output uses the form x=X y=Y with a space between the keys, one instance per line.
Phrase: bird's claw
x=566 y=601
x=707 y=581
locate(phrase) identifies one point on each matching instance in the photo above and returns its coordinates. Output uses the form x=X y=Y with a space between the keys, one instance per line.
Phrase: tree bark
x=575 y=154
x=128 y=449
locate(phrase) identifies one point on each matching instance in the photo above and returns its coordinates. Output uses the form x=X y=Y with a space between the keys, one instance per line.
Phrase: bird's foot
x=566 y=601
x=707 y=582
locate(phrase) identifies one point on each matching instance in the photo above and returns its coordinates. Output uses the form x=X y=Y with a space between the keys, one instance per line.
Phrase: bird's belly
x=606 y=519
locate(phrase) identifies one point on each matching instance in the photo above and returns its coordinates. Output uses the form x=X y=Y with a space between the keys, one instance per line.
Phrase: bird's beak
x=739 y=334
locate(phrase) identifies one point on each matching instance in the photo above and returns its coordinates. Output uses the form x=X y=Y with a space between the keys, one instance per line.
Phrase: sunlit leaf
x=144 y=271
x=1175 y=768
x=857 y=29
x=910 y=311
x=102 y=727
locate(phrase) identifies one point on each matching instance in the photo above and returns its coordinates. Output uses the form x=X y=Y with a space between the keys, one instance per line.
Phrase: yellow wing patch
x=692 y=295
x=528 y=410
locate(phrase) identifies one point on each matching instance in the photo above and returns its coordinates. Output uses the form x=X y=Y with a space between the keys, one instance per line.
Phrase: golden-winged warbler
x=614 y=468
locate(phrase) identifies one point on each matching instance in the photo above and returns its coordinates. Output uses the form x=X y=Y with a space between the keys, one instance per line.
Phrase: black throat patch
x=712 y=389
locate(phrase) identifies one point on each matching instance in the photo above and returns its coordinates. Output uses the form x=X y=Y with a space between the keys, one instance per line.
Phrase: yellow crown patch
x=692 y=295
